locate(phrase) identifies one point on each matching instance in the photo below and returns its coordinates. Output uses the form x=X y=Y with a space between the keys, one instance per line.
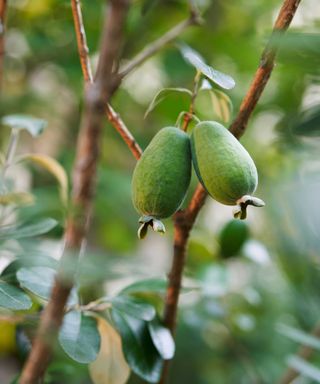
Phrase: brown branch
x=305 y=352
x=183 y=223
x=124 y=132
x=3 y=12
x=158 y=44
x=97 y=94
x=83 y=50
x=263 y=73
x=184 y=220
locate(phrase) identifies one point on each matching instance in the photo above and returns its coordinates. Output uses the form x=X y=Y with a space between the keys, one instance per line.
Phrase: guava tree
x=127 y=331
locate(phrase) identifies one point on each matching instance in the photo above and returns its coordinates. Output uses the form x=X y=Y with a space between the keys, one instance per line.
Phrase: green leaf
x=8 y=274
x=148 y=285
x=138 y=348
x=162 y=94
x=195 y=59
x=13 y=298
x=34 y=126
x=299 y=336
x=39 y=281
x=79 y=337
x=134 y=307
x=27 y=229
x=304 y=368
x=162 y=339
x=51 y=165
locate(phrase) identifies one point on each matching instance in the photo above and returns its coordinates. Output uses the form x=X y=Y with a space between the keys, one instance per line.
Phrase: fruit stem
x=188 y=116
x=240 y=211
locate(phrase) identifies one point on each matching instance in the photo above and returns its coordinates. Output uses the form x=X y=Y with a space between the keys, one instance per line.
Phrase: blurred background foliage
x=254 y=275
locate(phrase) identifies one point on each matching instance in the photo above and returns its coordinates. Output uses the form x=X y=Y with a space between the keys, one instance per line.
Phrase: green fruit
x=223 y=166
x=232 y=238
x=161 y=177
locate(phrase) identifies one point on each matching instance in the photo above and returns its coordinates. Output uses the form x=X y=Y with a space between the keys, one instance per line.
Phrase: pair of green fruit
x=162 y=176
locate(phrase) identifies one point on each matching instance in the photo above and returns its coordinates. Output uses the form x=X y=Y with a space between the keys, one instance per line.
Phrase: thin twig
x=188 y=116
x=3 y=12
x=83 y=184
x=124 y=132
x=184 y=220
x=157 y=45
x=13 y=319
x=265 y=68
x=81 y=41
x=305 y=352
x=114 y=118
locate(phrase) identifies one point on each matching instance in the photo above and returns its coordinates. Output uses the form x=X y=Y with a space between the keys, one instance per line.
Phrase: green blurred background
x=231 y=331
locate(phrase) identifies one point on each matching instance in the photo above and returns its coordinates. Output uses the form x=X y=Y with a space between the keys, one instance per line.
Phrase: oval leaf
x=134 y=307
x=79 y=337
x=162 y=94
x=147 y=285
x=38 y=280
x=138 y=348
x=162 y=339
x=194 y=58
x=110 y=367
x=13 y=298
x=51 y=165
x=34 y=126
x=27 y=230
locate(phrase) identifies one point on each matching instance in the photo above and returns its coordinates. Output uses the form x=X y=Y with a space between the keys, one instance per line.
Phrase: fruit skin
x=222 y=164
x=232 y=238
x=162 y=175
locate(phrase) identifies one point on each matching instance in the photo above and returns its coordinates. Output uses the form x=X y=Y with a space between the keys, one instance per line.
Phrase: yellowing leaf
x=18 y=198
x=222 y=105
x=7 y=337
x=110 y=367
x=52 y=166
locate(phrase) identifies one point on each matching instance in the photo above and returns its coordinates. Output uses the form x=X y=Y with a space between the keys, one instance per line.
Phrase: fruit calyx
x=240 y=212
x=155 y=224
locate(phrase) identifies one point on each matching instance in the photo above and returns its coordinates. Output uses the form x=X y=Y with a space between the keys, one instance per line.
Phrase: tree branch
x=3 y=12
x=96 y=95
x=305 y=352
x=158 y=44
x=184 y=220
x=83 y=50
x=265 y=68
